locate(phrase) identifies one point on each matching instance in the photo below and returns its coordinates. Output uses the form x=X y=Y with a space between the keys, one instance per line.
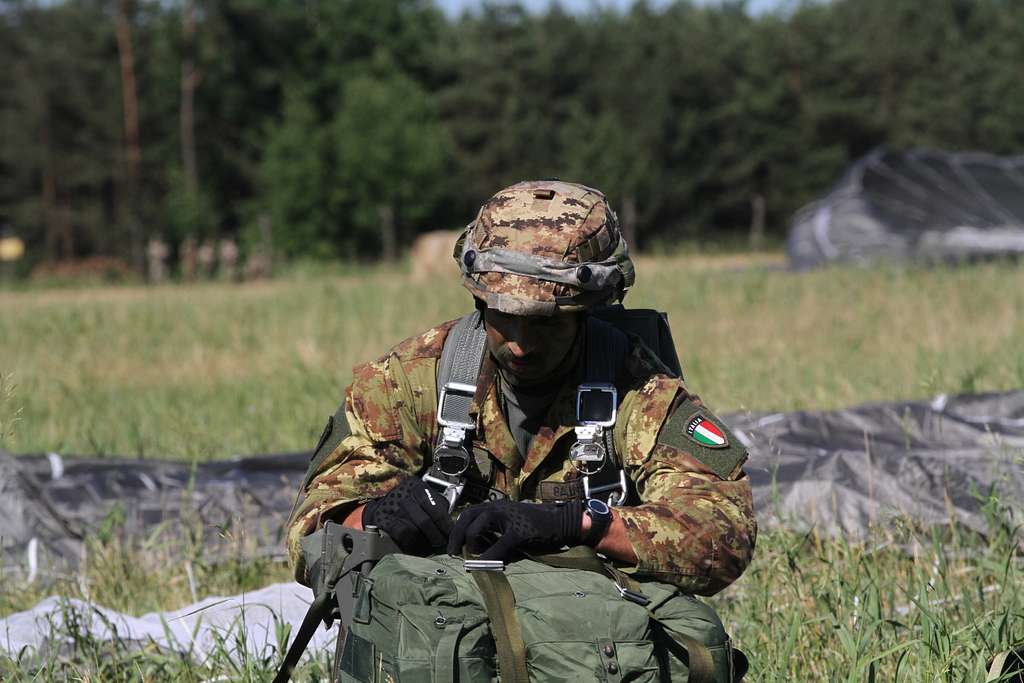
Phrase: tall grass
x=906 y=605
x=812 y=608
x=213 y=370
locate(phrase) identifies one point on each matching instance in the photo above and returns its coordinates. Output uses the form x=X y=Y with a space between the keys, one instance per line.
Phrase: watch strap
x=599 y=525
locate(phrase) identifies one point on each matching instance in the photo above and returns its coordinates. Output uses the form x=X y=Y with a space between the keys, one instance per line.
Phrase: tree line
x=342 y=128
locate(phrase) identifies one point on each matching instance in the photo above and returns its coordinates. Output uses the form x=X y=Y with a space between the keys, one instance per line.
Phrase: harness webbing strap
x=500 y=604
x=460 y=363
x=606 y=350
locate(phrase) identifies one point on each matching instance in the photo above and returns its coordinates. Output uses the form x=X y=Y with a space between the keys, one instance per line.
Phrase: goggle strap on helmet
x=597 y=245
x=514 y=305
x=591 y=276
x=625 y=264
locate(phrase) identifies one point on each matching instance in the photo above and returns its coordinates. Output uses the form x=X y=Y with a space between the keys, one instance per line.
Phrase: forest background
x=341 y=128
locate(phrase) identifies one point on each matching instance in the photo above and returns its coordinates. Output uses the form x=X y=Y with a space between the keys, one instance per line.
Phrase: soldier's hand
x=413 y=515
x=538 y=526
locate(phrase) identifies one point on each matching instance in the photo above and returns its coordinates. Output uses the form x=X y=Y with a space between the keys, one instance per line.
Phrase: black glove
x=538 y=526
x=414 y=516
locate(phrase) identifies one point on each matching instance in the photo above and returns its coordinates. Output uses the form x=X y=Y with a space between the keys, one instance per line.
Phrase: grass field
x=214 y=370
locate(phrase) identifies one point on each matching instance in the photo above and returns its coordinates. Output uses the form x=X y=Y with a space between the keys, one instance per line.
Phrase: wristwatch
x=600 y=519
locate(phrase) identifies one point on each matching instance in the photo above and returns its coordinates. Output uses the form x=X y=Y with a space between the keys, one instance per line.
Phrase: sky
x=455 y=7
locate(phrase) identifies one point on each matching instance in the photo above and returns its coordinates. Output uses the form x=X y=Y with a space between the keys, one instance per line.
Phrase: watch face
x=597 y=507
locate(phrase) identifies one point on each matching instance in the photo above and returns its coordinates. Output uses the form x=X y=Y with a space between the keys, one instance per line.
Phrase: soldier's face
x=531 y=348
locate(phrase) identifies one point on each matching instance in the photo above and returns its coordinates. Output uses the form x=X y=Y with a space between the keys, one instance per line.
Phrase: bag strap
x=500 y=604
x=701 y=664
x=446 y=657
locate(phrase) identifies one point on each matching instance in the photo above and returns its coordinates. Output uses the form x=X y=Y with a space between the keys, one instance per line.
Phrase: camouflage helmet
x=543 y=246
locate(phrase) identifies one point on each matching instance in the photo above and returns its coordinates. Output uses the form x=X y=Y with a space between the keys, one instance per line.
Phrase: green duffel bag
x=429 y=620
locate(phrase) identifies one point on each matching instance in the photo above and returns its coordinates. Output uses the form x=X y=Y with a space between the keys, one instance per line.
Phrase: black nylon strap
x=606 y=352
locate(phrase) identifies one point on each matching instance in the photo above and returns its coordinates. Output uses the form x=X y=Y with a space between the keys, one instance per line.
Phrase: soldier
x=206 y=259
x=189 y=258
x=156 y=253
x=227 y=255
x=538 y=258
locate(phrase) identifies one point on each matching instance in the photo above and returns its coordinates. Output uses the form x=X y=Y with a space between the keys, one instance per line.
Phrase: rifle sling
x=317 y=612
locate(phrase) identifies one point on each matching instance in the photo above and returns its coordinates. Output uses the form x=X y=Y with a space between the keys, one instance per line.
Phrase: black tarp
x=837 y=471
x=920 y=205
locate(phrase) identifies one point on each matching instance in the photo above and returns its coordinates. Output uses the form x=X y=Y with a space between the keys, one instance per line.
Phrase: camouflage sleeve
x=695 y=525
x=380 y=442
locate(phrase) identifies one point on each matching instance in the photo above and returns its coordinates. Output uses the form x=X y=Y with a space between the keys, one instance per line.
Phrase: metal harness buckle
x=451 y=458
x=451 y=487
x=596 y=408
x=619 y=490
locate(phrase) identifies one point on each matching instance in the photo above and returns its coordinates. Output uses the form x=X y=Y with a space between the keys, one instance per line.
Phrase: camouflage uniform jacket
x=694 y=522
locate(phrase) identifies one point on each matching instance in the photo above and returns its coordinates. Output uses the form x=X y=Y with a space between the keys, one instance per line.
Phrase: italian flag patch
x=705 y=432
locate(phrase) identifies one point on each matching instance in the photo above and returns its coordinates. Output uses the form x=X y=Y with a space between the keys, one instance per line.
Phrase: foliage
x=390 y=150
x=686 y=113
x=293 y=174
x=188 y=214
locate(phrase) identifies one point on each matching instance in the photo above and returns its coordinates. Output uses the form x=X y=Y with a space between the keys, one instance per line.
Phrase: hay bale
x=431 y=255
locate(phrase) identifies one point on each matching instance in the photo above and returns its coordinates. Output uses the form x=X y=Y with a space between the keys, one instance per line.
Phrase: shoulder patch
x=704 y=431
x=695 y=430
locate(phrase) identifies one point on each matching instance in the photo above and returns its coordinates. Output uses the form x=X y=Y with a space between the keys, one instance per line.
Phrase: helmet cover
x=543 y=246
